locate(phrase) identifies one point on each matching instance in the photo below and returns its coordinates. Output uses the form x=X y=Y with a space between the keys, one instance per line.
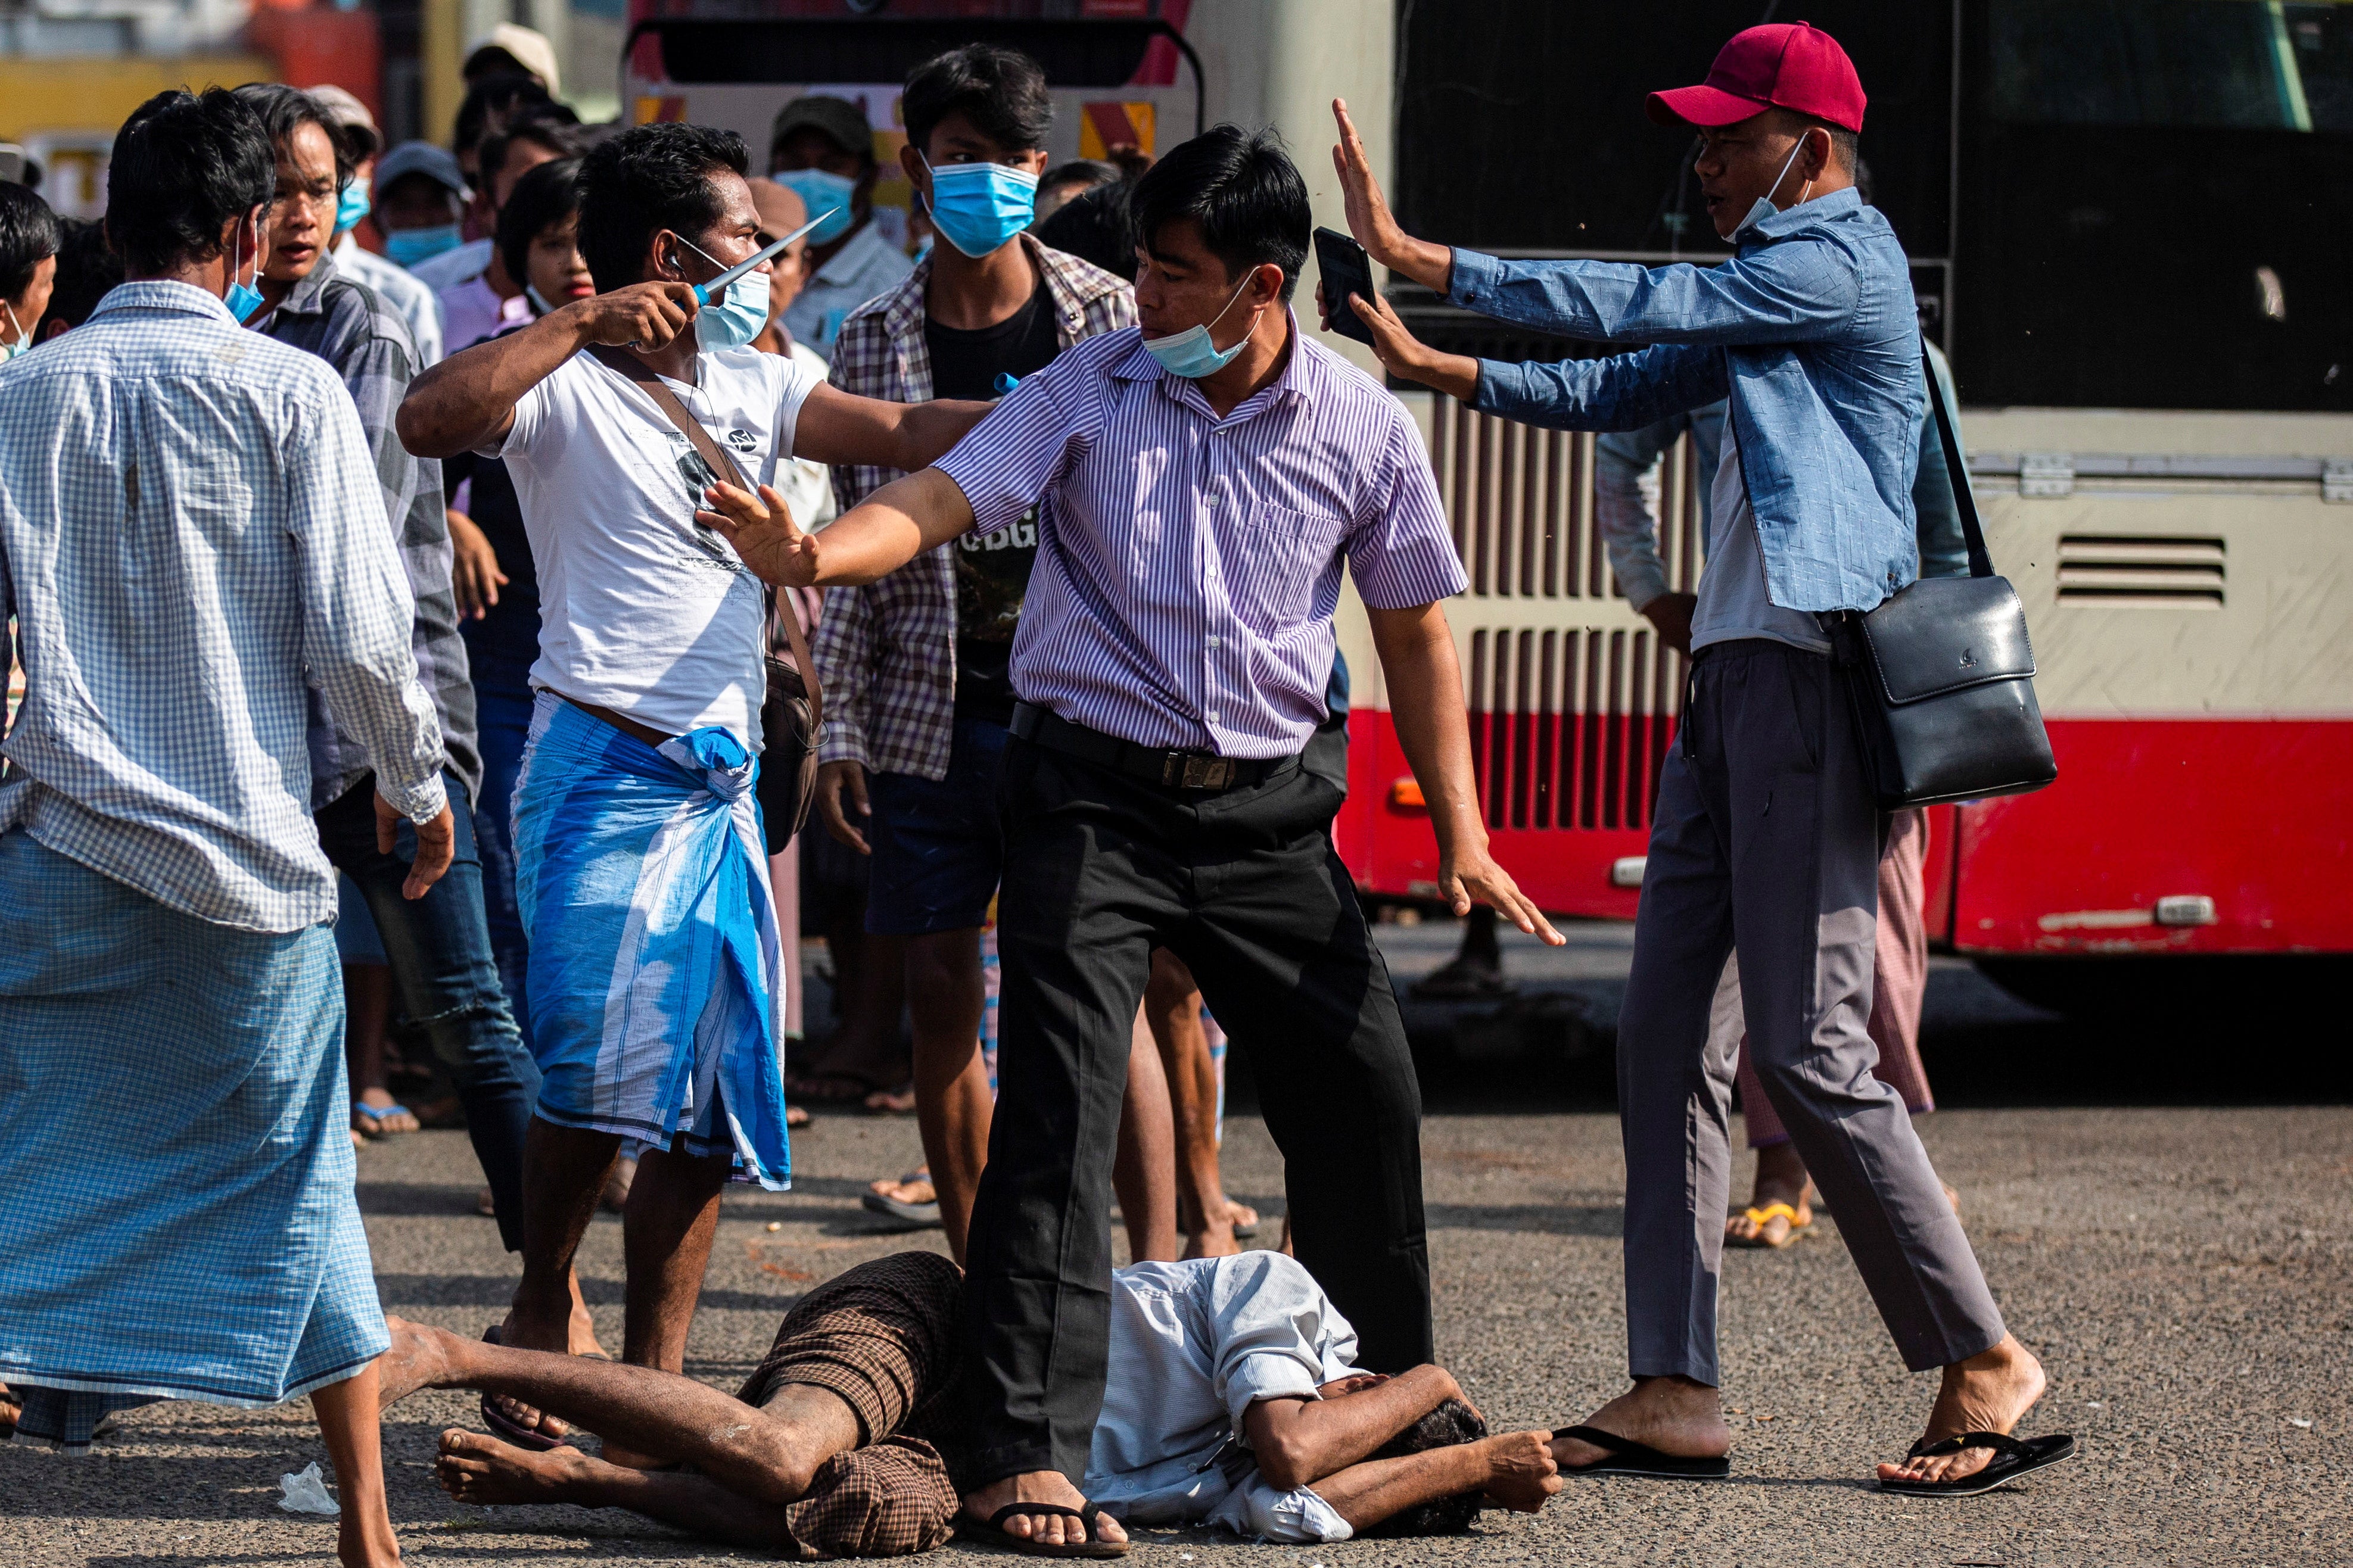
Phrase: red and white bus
x=2128 y=224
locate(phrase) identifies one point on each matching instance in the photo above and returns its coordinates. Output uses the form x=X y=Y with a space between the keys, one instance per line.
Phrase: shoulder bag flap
x=1946 y=633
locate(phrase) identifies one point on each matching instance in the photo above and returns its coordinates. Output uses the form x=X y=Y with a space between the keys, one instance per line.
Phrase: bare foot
x=419 y=1357
x=1039 y=1486
x=1988 y=1392
x=1521 y=1471
x=580 y=1333
x=475 y=1468
x=364 y=1538
x=1673 y=1415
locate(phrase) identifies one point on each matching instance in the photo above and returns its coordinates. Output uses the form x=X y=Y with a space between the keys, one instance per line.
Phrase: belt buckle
x=1205 y=773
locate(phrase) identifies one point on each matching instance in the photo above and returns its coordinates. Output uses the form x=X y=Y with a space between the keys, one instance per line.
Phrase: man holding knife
x=656 y=986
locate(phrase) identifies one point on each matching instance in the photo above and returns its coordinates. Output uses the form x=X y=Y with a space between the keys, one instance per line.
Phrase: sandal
x=368 y=1120
x=909 y=1215
x=993 y=1531
x=506 y=1428
x=1628 y=1458
x=2013 y=1458
x=1760 y=1217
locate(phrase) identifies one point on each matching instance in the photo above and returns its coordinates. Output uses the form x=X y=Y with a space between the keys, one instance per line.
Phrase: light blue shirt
x=191 y=531
x=1811 y=332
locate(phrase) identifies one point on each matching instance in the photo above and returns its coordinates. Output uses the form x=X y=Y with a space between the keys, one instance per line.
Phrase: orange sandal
x=1761 y=1217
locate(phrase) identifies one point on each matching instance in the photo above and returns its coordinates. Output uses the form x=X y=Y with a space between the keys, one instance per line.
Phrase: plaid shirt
x=191 y=529
x=886 y=651
x=359 y=331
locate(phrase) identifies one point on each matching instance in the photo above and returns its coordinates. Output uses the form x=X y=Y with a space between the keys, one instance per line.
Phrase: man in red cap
x=1765 y=820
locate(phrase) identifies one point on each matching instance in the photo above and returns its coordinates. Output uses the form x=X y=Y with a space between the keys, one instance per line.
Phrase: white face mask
x=23 y=342
x=1763 y=208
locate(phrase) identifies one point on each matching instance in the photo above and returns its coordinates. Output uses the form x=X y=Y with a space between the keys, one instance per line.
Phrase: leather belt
x=1171 y=770
x=629 y=727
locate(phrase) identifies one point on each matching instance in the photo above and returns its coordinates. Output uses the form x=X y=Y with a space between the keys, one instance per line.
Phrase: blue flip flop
x=375 y=1115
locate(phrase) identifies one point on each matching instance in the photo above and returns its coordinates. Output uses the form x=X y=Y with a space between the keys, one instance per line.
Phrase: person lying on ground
x=847 y=1438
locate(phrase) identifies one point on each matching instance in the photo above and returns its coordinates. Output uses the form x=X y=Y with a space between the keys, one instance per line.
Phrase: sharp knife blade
x=703 y=291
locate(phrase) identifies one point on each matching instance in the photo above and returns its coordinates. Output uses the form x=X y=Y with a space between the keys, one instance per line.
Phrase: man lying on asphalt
x=1233 y=1399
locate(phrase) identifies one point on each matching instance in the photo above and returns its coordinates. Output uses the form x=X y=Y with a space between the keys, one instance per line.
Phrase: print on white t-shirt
x=643 y=610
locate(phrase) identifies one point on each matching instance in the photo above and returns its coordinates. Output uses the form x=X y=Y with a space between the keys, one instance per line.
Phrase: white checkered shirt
x=886 y=651
x=191 y=531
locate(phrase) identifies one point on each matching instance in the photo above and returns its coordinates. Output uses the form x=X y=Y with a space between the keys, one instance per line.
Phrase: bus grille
x=1568 y=729
x=2125 y=569
x=1571 y=710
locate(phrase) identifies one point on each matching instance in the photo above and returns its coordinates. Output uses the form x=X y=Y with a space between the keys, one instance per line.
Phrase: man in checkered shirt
x=439 y=947
x=918 y=693
x=191 y=536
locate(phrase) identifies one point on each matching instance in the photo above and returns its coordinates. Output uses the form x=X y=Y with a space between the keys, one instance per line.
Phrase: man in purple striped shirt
x=1199 y=483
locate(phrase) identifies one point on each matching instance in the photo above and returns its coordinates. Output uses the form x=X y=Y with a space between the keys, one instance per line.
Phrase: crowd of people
x=410 y=633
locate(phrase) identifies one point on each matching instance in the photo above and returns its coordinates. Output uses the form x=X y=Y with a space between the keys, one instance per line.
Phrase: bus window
x=2255 y=67
x=2153 y=199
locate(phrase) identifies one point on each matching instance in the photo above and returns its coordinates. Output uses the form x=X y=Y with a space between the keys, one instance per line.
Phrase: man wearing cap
x=1766 y=821
x=511 y=49
x=822 y=150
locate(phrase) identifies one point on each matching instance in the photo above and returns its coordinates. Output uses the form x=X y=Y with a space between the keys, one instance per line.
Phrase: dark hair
x=650 y=178
x=553 y=126
x=87 y=272
x=29 y=236
x=183 y=165
x=283 y=110
x=1087 y=172
x=1451 y=1423
x=1845 y=144
x=1095 y=226
x=1244 y=191
x=494 y=94
x=548 y=193
x=1002 y=92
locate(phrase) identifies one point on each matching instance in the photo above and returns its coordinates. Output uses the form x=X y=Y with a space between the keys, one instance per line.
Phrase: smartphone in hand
x=1347 y=270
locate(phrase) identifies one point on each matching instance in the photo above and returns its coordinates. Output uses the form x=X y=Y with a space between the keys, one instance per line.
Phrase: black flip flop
x=993 y=1531
x=2013 y=1458
x=506 y=1428
x=1628 y=1458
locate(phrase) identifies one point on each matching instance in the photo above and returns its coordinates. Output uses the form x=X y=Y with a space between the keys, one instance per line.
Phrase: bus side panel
x=2249 y=813
x=1389 y=849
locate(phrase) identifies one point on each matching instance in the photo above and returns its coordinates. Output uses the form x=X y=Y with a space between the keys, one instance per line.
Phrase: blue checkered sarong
x=176 y=1213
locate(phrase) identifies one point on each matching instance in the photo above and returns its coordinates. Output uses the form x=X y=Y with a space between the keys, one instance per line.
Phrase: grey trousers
x=1766 y=829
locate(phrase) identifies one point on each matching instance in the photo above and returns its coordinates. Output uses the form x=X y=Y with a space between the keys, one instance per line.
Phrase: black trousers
x=1244 y=886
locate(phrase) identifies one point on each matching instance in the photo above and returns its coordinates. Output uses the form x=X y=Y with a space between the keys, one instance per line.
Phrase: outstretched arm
x=469 y=399
x=872 y=540
x=1425 y=682
x=838 y=427
x=1299 y=1441
x=1513 y=1468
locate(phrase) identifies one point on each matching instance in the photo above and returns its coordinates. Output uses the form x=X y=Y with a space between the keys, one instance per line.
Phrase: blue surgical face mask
x=539 y=305
x=1191 y=355
x=22 y=340
x=977 y=207
x=822 y=191
x=352 y=205
x=409 y=247
x=242 y=298
x=736 y=317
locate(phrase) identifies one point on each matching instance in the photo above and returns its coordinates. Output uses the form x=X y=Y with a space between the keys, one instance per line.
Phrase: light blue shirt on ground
x=192 y=533
x=1811 y=330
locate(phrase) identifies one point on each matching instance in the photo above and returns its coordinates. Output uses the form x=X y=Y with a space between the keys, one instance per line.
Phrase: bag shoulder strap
x=1955 y=468
x=719 y=461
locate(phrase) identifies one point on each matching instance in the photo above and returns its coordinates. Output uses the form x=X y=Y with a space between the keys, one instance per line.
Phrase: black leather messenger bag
x=1941 y=674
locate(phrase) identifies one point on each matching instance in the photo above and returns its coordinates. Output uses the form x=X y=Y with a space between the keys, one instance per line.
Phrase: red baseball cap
x=1783 y=64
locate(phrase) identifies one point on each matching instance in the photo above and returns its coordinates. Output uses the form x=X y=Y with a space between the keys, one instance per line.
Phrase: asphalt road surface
x=2182 y=1268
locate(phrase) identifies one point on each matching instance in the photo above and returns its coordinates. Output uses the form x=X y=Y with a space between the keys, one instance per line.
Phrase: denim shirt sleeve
x=1796 y=291
x=1625 y=392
